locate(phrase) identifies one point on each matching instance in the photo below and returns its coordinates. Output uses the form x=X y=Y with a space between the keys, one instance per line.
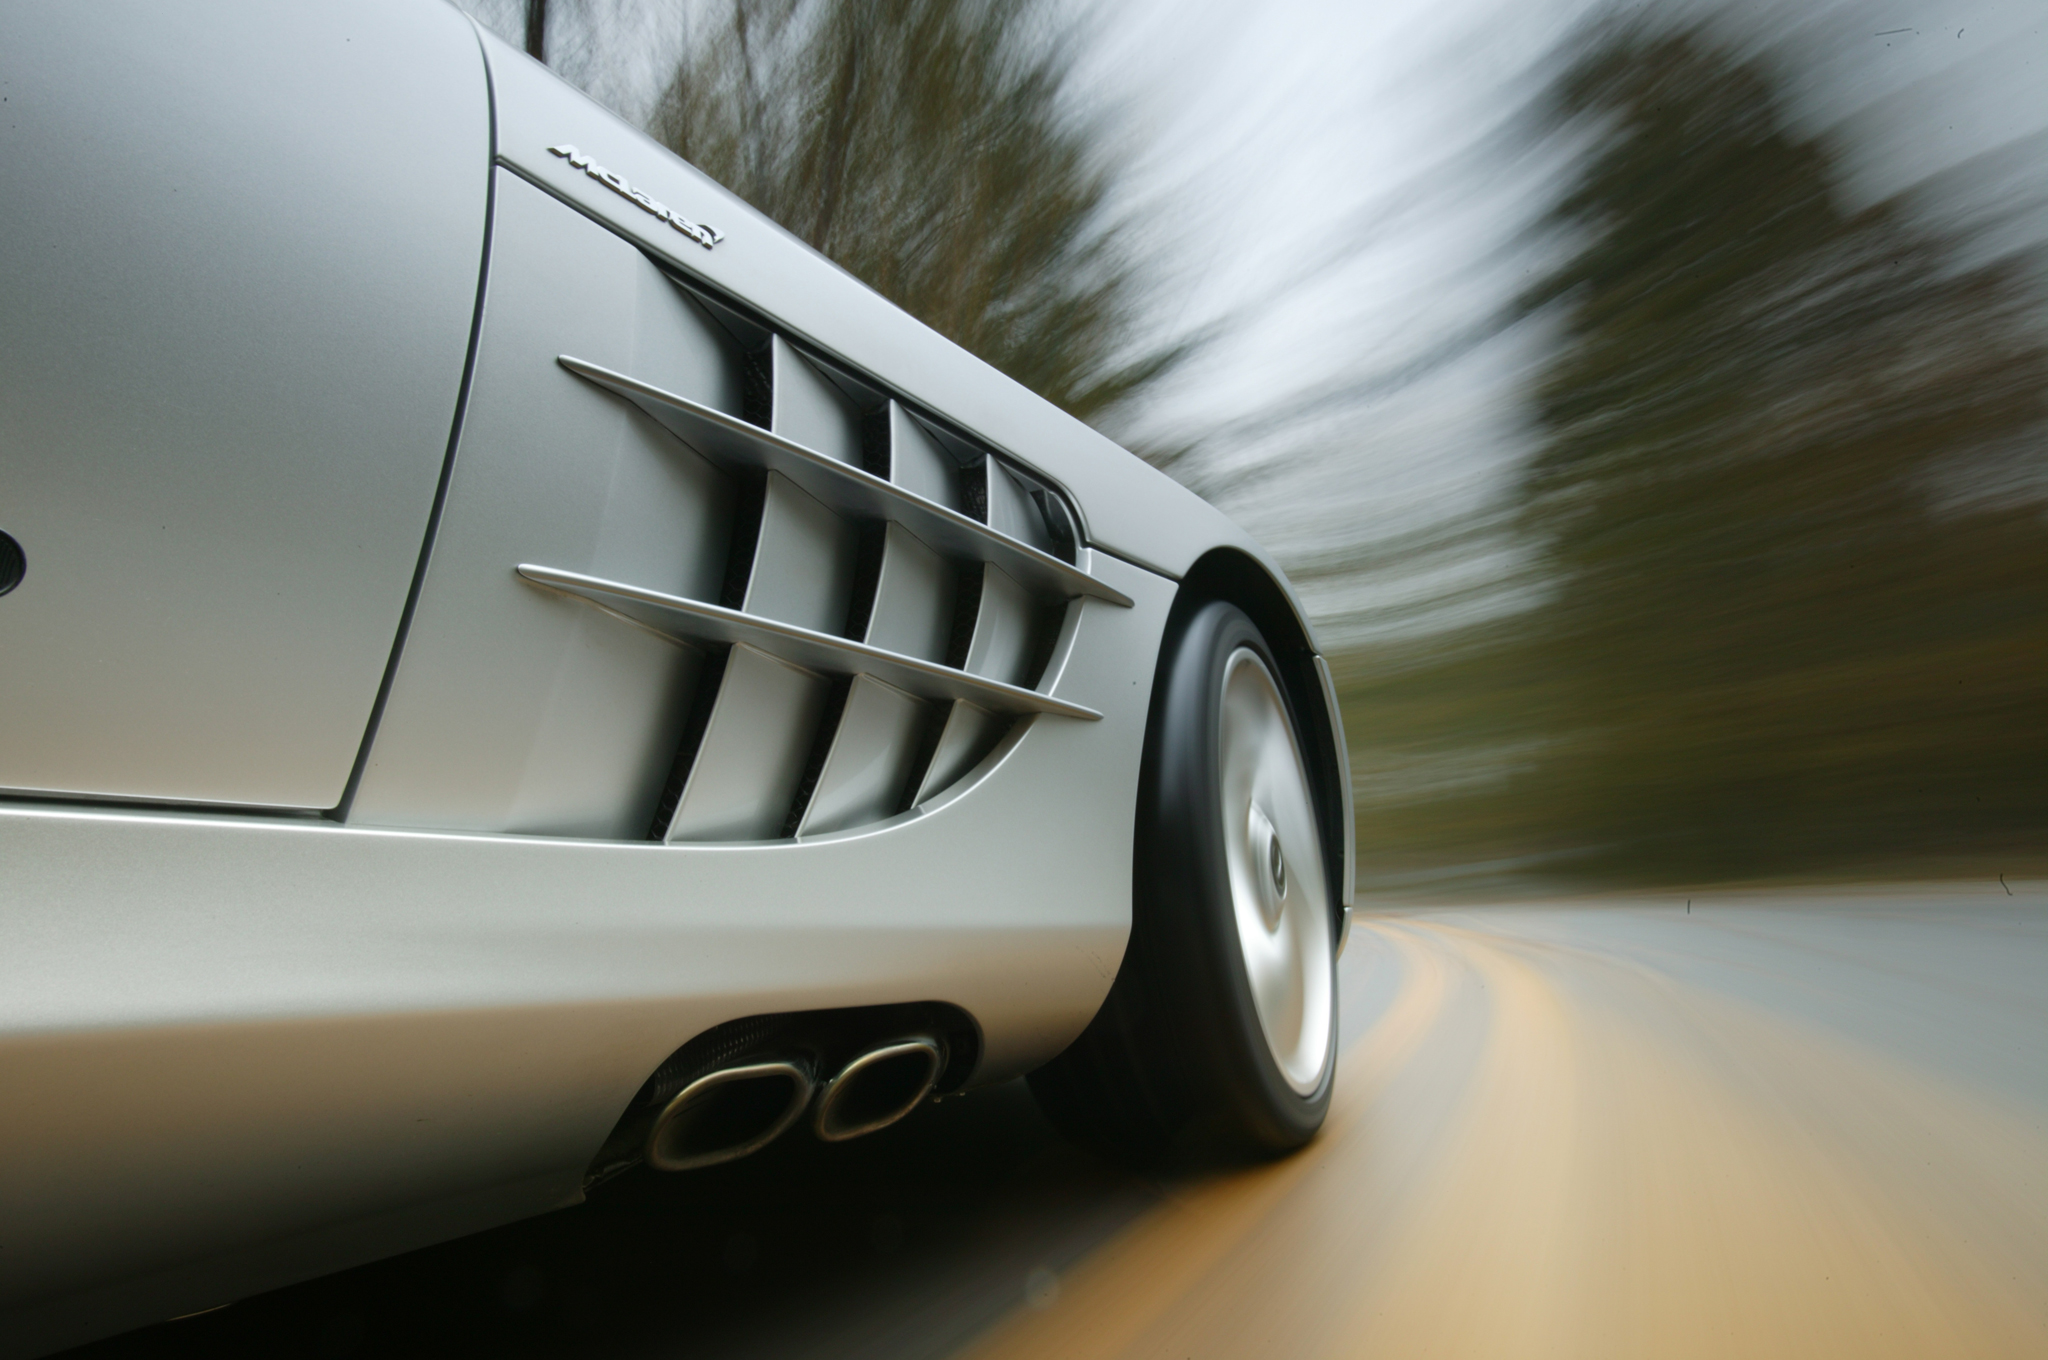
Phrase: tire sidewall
x=1183 y=912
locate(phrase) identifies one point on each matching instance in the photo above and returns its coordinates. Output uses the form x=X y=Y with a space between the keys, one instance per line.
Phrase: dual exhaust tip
x=732 y=1111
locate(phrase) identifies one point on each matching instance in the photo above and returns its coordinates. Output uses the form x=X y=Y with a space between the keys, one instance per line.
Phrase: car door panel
x=238 y=273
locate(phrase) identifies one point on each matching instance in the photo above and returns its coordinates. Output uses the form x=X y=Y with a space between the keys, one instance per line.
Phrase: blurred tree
x=939 y=151
x=1799 y=599
x=537 y=29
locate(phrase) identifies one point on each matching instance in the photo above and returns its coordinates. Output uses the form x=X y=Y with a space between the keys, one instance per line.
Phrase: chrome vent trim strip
x=851 y=490
x=697 y=621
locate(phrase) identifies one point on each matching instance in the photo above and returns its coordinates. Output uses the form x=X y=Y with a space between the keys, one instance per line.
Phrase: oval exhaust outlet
x=878 y=1088
x=726 y=1114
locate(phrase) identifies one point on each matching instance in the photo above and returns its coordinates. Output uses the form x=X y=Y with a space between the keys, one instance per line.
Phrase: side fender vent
x=894 y=597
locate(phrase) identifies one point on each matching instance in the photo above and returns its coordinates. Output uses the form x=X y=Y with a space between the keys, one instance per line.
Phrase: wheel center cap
x=1271 y=868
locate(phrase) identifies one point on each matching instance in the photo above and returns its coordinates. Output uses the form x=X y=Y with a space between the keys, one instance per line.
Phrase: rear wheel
x=1219 y=1035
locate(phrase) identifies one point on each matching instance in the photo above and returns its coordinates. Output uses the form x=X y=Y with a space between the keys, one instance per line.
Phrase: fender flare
x=1231 y=574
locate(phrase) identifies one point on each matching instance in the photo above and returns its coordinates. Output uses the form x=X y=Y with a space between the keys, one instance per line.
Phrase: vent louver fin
x=918 y=463
x=1006 y=623
x=755 y=750
x=825 y=653
x=967 y=733
x=820 y=408
x=805 y=561
x=694 y=726
x=847 y=488
x=826 y=739
x=870 y=760
x=909 y=603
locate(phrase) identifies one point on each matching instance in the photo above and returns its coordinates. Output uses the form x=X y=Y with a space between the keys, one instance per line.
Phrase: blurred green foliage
x=940 y=152
x=1785 y=518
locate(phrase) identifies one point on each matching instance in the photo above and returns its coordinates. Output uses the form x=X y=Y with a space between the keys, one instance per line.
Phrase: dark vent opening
x=749 y=501
x=966 y=609
x=974 y=490
x=821 y=747
x=757 y=387
x=701 y=702
x=874 y=442
x=867 y=579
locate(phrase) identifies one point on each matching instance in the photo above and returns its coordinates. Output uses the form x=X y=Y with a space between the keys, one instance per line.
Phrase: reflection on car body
x=507 y=692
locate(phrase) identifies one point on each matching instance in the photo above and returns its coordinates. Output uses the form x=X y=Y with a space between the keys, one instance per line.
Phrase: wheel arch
x=1233 y=575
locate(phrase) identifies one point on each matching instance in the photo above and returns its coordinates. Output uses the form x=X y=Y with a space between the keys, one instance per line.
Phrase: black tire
x=1176 y=1066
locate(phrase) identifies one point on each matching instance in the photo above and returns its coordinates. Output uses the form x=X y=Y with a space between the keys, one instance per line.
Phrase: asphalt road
x=1805 y=1124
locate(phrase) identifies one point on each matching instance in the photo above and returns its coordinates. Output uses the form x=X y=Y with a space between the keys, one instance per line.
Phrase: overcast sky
x=1346 y=160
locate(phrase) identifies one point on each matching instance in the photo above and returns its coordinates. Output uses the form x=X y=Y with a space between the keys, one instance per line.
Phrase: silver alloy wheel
x=1277 y=884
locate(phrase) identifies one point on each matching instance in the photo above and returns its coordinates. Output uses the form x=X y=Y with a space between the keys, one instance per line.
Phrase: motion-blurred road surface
x=1769 y=1126
x=1810 y=1124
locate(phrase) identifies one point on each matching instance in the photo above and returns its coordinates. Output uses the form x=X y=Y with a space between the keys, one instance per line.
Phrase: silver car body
x=370 y=428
